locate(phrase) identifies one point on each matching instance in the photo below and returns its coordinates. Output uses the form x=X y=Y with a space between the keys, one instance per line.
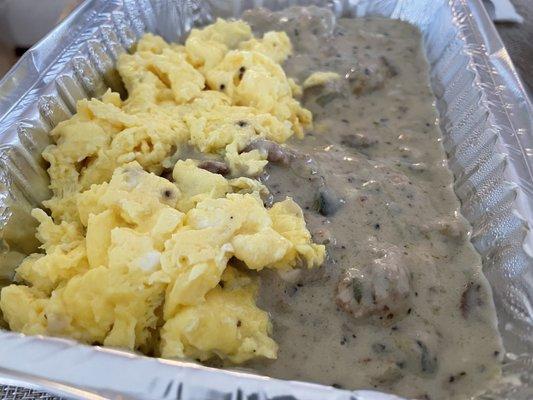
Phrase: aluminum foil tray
x=487 y=122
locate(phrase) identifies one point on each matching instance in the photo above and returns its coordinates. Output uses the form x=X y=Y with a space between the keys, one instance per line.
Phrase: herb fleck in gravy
x=401 y=304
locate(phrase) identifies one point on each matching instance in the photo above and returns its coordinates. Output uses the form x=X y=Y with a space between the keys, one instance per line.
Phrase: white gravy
x=401 y=304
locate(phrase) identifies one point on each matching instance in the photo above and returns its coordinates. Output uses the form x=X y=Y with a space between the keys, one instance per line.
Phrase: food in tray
x=205 y=216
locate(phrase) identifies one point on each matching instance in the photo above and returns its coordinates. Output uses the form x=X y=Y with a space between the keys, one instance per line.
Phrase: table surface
x=20 y=393
x=518 y=39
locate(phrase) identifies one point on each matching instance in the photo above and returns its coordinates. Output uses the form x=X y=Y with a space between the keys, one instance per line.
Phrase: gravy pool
x=401 y=304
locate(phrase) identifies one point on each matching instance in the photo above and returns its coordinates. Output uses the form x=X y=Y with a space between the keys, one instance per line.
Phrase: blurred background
x=24 y=22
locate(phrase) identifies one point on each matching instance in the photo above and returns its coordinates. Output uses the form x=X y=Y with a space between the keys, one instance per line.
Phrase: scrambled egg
x=148 y=267
x=134 y=260
x=240 y=335
x=320 y=78
x=218 y=92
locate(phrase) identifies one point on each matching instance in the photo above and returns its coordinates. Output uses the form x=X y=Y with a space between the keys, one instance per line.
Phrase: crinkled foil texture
x=487 y=122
